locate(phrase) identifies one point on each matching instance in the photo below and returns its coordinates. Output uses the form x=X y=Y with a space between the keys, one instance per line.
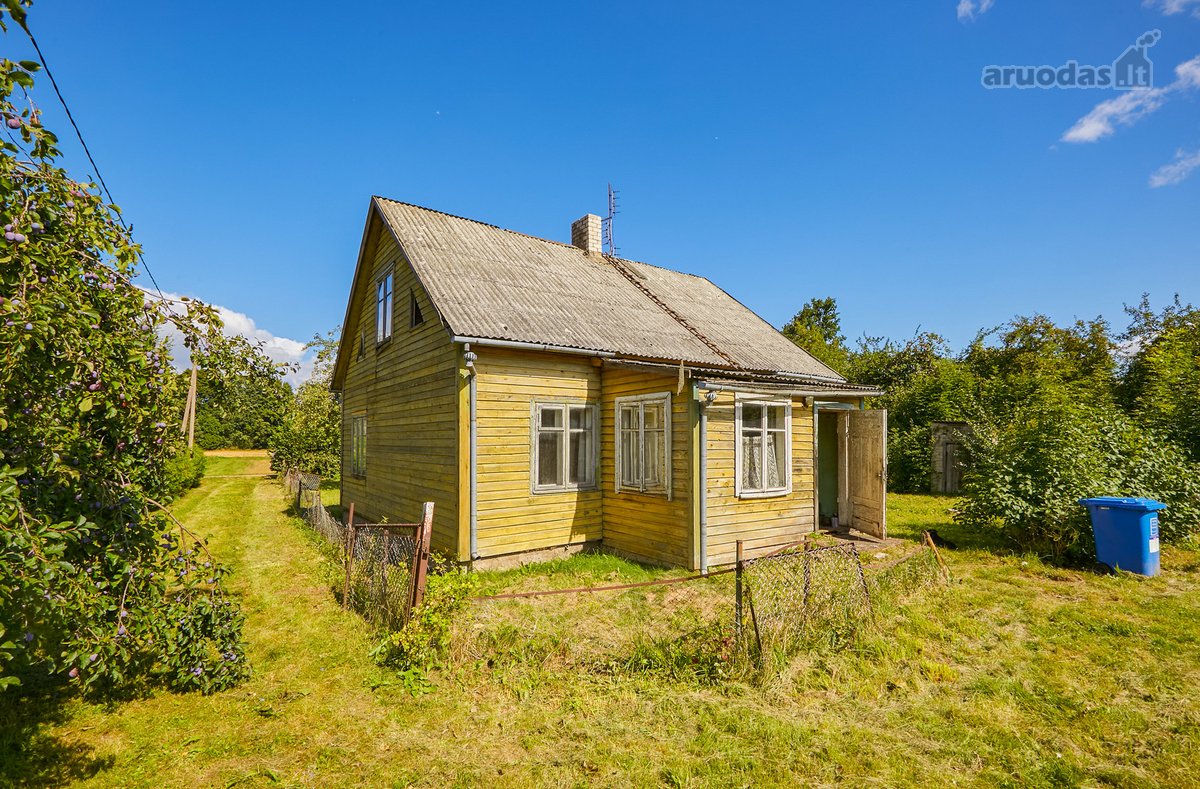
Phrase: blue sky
x=784 y=151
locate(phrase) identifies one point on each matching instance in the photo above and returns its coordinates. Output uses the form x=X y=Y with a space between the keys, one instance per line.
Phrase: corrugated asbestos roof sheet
x=498 y=284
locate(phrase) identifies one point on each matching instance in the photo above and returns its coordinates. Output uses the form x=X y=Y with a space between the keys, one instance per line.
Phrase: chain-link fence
x=381 y=572
x=305 y=490
x=783 y=594
x=383 y=565
x=696 y=625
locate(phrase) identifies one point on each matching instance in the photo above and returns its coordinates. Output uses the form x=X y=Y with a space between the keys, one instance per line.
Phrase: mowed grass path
x=1016 y=673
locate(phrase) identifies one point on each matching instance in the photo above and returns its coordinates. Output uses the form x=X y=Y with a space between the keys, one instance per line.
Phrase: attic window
x=383 y=308
x=414 y=311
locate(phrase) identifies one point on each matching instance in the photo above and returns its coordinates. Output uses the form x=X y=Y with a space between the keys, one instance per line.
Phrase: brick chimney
x=585 y=233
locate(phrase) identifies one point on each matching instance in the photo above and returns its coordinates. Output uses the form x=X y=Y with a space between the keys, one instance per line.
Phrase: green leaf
x=30 y=65
x=85 y=405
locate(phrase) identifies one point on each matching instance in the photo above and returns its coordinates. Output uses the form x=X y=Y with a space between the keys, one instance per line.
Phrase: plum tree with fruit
x=99 y=585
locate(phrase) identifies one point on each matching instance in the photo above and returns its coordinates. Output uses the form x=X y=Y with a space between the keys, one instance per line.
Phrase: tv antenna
x=607 y=223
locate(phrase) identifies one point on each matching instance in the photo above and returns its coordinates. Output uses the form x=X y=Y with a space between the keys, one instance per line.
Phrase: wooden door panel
x=868 y=471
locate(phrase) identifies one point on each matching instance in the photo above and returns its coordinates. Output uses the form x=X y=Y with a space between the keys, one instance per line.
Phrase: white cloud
x=279 y=349
x=1106 y=116
x=1129 y=107
x=1172 y=7
x=969 y=9
x=1177 y=171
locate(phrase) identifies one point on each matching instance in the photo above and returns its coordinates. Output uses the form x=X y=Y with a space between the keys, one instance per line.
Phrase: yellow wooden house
x=548 y=397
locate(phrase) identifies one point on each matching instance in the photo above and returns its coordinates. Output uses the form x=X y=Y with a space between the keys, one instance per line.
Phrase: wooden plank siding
x=642 y=525
x=510 y=517
x=407 y=387
x=762 y=524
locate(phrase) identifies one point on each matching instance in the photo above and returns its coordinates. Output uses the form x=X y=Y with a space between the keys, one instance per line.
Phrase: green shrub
x=182 y=472
x=909 y=459
x=1029 y=472
x=424 y=641
x=1160 y=469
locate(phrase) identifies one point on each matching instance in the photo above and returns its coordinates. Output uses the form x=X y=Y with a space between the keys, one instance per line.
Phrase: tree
x=311 y=435
x=922 y=384
x=1030 y=352
x=241 y=397
x=97 y=584
x=1161 y=385
x=817 y=328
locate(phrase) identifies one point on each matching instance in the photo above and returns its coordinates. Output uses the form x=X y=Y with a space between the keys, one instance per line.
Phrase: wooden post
x=737 y=586
x=187 y=412
x=421 y=560
x=349 y=557
x=937 y=555
x=192 y=409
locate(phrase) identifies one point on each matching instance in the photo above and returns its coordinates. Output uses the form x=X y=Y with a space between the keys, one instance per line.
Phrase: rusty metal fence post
x=421 y=558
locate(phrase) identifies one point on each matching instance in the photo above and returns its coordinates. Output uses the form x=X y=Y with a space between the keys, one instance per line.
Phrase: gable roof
x=490 y=283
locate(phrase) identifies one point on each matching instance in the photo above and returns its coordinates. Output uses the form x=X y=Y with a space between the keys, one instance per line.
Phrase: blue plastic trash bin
x=1126 y=532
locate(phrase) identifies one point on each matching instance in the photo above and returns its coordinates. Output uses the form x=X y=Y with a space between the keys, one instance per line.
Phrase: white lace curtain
x=752 y=461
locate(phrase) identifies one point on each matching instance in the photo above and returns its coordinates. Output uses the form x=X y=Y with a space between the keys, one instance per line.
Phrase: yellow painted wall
x=511 y=518
x=407 y=387
x=762 y=524
x=641 y=524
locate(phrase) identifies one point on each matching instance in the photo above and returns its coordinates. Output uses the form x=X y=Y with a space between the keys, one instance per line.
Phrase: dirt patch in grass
x=235 y=462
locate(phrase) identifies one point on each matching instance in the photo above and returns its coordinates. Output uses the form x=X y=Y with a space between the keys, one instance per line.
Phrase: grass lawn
x=1015 y=673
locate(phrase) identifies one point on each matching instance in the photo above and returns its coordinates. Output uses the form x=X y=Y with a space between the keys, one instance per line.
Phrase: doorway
x=851 y=467
x=828 y=463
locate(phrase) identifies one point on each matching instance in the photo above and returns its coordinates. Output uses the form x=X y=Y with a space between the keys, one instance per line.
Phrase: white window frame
x=358 y=445
x=535 y=445
x=385 y=297
x=740 y=489
x=641 y=401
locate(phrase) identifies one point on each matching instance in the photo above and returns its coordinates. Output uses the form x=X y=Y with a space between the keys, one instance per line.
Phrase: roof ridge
x=619 y=265
x=478 y=222
x=661 y=268
x=535 y=238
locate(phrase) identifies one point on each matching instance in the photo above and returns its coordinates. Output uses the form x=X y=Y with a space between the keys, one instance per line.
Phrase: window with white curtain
x=564 y=446
x=764 y=447
x=643 y=438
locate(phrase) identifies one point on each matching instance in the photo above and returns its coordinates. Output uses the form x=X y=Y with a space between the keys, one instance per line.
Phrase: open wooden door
x=868 y=471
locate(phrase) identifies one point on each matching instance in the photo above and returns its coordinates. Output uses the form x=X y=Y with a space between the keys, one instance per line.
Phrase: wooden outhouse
x=947 y=461
x=549 y=397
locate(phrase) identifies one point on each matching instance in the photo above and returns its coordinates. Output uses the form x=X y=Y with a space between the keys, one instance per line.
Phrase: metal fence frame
x=372 y=555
